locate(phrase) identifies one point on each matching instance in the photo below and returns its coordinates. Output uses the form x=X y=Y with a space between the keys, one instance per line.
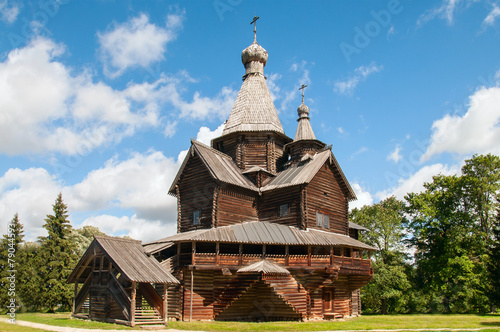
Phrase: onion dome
x=304 y=129
x=254 y=58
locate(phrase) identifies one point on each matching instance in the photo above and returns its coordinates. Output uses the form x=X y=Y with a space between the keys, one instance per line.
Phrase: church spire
x=304 y=129
x=254 y=110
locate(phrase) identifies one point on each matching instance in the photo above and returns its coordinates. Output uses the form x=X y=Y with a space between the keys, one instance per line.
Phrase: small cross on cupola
x=254 y=22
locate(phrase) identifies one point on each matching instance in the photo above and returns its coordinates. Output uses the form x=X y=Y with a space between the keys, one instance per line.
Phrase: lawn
x=366 y=322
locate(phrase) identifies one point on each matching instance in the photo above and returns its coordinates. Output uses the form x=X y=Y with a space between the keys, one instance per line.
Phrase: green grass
x=16 y=328
x=367 y=322
x=65 y=319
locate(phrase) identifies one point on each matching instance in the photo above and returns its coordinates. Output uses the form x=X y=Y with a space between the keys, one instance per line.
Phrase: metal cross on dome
x=302 y=87
x=254 y=22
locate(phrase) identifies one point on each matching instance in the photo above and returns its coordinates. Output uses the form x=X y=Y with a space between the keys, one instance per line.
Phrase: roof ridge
x=116 y=238
x=198 y=143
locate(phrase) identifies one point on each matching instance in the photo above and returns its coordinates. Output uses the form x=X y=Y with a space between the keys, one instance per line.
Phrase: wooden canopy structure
x=120 y=283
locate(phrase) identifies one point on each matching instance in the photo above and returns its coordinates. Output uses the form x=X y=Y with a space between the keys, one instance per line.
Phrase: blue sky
x=99 y=99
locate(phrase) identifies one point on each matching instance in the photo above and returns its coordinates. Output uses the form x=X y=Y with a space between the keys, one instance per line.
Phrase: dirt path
x=74 y=329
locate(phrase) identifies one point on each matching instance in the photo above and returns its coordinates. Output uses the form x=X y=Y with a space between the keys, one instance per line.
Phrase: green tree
x=10 y=258
x=388 y=291
x=82 y=237
x=30 y=277
x=450 y=222
x=58 y=257
x=494 y=266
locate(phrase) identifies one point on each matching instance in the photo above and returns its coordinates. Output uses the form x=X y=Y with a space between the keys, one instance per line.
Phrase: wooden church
x=262 y=230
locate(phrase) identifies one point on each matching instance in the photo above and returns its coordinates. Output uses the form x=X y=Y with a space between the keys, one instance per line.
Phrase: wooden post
x=165 y=304
x=74 y=298
x=193 y=252
x=331 y=255
x=191 y=296
x=287 y=255
x=132 y=304
x=263 y=251
x=240 y=259
x=217 y=246
x=308 y=255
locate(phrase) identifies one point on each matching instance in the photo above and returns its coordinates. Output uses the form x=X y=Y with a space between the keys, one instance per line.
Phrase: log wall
x=325 y=195
x=269 y=205
x=235 y=207
x=196 y=189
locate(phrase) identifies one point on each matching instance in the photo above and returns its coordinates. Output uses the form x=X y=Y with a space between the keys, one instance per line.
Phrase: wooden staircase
x=145 y=313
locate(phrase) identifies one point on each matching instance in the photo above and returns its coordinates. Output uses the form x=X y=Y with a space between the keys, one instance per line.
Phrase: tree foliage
x=451 y=222
x=10 y=259
x=387 y=293
x=57 y=258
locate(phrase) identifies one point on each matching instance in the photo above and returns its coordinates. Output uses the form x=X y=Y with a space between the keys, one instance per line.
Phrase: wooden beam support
x=74 y=298
x=132 y=304
x=165 y=304
x=191 y=296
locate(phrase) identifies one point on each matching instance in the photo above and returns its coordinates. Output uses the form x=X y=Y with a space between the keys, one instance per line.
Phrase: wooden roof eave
x=82 y=264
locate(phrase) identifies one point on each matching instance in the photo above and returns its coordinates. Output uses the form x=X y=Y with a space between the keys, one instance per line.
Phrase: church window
x=196 y=217
x=322 y=220
x=284 y=210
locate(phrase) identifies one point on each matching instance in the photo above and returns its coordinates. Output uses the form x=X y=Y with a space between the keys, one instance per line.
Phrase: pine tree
x=10 y=257
x=58 y=257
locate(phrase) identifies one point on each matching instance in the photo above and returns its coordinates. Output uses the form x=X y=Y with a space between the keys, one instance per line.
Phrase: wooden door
x=328 y=295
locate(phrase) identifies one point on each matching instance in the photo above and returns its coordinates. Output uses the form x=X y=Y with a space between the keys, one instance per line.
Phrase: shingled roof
x=128 y=256
x=261 y=233
x=220 y=166
x=304 y=172
x=254 y=109
x=264 y=266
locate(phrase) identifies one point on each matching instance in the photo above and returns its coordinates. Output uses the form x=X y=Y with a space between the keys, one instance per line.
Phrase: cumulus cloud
x=360 y=74
x=134 y=227
x=477 y=131
x=30 y=193
x=415 y=182
x=8 y=11
x=395 y=155
x=364 y=197
x=136 y=43
x=46 y=106
x=284 y=96
x=137 y=186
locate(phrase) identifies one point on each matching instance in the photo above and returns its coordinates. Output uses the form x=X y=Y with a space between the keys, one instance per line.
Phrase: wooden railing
x=120 y=295
x=293 y=260
x=152 y=297
x=82 y=295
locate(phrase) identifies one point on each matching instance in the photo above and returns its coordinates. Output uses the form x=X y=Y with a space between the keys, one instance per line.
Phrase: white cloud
x=360 y=74
x=364 y=197
x=477 y=131
x=446 y=11
x=134 y=227
x=30 y=193
x=492 y=15
x=44 y=107
x=136 y=43
x=8 y=12
x=415 y=182
x=395 y=155
x=291 y=94
x=138 y=185
x=205 y=135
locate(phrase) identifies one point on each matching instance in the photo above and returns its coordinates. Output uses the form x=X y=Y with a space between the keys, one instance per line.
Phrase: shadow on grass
x=493 y=324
